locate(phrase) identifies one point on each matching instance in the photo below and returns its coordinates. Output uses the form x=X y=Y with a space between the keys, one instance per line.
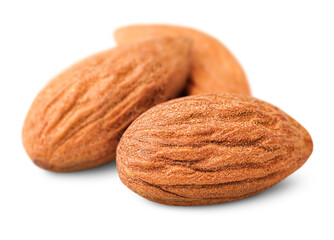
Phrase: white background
x=287 y=51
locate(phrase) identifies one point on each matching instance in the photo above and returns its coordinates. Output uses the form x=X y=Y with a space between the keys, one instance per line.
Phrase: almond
x=76 y=121
x=214 y=69
x=209 y=149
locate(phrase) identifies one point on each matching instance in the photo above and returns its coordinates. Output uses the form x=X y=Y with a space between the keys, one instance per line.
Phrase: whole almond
x=214 y=69
x=209 y=149
x=76 y=121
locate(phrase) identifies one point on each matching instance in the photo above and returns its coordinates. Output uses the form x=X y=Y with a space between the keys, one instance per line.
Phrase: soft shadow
x=273 y=192
x=105 y=169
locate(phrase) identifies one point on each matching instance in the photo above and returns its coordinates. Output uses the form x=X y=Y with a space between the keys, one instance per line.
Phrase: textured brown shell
x=214 y=69
x=76 y=121
x=208 y=149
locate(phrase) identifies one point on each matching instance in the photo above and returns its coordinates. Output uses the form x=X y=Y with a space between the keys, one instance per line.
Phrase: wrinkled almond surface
x=208 y=149
x=76 y=121
x=214 y=69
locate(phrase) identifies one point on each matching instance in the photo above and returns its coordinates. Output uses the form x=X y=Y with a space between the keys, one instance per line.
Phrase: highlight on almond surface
x=209 y=149
x=214 y=69
x=76 y=121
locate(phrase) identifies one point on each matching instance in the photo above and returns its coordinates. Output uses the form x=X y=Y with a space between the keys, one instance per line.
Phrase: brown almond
x=214 y=69
x=209 y=149
x=76 y=121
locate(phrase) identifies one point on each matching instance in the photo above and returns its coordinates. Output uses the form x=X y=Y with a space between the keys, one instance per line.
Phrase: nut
x=76 y=121
x=214 y=69
x=209 y=149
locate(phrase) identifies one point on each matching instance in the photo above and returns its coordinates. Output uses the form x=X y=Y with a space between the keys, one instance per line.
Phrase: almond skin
x=209 y=149
x=214 y=69
x=76 y=121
